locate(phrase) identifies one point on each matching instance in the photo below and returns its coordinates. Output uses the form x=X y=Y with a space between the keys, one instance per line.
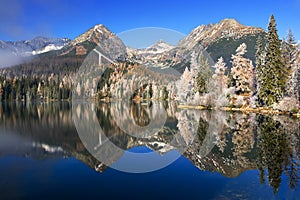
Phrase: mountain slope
x=70 y=57
x=14 y=53
x=226 y=47
x=156 y=55
x=218 y=40
x=158 y=47
x=208 y=34
x=99 y=35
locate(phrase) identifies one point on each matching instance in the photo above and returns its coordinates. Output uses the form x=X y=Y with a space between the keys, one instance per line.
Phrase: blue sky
x=25 y=19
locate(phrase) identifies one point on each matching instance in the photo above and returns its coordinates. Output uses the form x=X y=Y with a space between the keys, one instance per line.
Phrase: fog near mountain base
x=8 y=59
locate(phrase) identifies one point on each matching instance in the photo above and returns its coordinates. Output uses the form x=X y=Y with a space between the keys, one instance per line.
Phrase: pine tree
x=290 y=53
x=290 y=37
x=201 y=72
x=274 y=74
x=242 y=72
x=184 y=86
x=259 y=60
x=219 y=78
x=285 y=54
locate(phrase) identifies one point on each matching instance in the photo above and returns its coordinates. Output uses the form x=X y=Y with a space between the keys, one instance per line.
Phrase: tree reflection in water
x=277 y=145
x=229 y=143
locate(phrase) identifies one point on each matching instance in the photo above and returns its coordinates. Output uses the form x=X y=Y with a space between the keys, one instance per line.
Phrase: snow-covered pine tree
x=242 y=72
x=274 y=74
x=155 y=90
x=219 y=77
x=184 y=86
x=290 y=37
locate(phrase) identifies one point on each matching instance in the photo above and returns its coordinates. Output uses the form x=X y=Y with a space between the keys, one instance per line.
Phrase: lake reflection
x=232 y=144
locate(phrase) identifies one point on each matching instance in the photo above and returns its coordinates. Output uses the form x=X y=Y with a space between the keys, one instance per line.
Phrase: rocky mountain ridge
x=105 y=40
x=217 y=40
x=208 y=34
x=211 y=38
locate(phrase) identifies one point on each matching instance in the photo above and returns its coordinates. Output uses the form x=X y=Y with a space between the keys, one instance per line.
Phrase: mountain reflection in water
x=214 y=141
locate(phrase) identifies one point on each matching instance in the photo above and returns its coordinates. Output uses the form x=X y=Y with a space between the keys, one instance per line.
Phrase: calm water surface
x=225 y=155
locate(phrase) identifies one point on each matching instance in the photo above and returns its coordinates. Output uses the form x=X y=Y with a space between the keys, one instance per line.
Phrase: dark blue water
x=69 y=178
x=30 y=169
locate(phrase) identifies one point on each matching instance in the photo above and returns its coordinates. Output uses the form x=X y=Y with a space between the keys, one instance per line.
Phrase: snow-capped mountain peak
x=152 y=56
x=101 y=37
x=159 y=47
x=95 y=34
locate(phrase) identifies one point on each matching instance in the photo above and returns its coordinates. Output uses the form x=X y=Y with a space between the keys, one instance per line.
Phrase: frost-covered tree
x=290 y=37
x=187 y=124
x=273 y=79
x=218 y=92
x=242 y=72
x=242 y=136
x=171 y=88
x=219 y=78
x=184 y=87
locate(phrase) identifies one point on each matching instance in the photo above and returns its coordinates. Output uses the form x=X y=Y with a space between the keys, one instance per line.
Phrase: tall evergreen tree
x=290 y=37
x=285 y=54
x=290 y=53
x=274 y=74
x=259 y=61
x=201 y=72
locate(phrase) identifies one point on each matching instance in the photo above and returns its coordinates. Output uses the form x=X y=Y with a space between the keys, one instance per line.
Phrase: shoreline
x=258 y=110
x=247 y=110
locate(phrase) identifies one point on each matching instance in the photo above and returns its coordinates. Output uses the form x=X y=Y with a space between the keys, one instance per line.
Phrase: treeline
x=28 y=89
x=46 y=77
x=44 y=65
x=34 y=88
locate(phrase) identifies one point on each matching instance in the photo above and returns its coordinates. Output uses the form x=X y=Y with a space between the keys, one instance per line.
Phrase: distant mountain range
x=35 y=46
x=14 y=53
x=219 y=39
